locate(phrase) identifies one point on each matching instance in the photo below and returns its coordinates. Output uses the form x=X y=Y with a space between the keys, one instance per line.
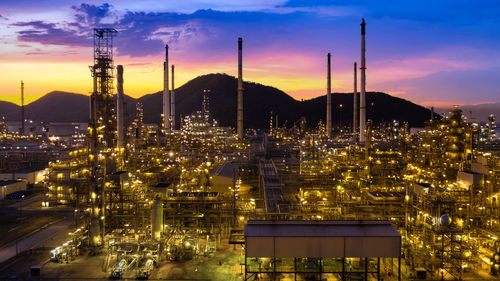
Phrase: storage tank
x=445 y=220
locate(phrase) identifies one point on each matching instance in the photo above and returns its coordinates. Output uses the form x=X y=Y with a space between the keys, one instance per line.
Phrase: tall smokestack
x=329 y=97
x=172 y=101
x=120 y=116
x=22 y=108
x=240 y=90
x=362 y=102
x=166 y=94
x=432 y=113
x=355 y=122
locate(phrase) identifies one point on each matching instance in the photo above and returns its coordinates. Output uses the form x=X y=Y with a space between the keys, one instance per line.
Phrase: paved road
x=34 y=240
x=28 y=201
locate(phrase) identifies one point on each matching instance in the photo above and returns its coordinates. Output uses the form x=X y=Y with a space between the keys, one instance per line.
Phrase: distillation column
x=166 y=95
x=362 y=102
x=329 y=98
x=240 y=90
x=355 y=123
x=120 y=116
x=172 y=101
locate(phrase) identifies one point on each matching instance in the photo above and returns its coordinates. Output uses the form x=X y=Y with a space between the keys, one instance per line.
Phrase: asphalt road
x=34 y=240
x=28 y=201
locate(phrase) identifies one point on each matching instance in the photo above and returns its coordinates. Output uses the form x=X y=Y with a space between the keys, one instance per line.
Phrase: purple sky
x=431 y=52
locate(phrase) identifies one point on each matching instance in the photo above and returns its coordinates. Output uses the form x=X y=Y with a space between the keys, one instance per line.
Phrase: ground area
x=21 y=217
x=15 y=225
x=224 y=264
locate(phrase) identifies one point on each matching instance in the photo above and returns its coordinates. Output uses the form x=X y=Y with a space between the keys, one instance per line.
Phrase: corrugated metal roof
x=320 y=229
x=9 y=182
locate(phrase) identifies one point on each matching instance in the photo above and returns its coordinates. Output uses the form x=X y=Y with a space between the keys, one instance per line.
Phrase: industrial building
x=10 y=186
x=320 y=249
x=32 y=175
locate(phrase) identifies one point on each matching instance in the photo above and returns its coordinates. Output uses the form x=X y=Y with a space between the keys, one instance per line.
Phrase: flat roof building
x=10 y=186
x=319 y=248
x=32 y=175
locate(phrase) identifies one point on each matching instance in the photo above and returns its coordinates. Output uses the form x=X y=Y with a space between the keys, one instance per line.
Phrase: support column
x=378 y=269
x=343 y=269
x=399 y=269
x=366 y=269
x=295 y=268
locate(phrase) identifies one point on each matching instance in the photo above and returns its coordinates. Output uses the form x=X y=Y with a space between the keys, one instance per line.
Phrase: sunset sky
x=435 y=53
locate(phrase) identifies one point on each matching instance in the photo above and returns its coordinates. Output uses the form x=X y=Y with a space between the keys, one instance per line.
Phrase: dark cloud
x=140 y=28
x=91 y=15
x=50 y=34
x=145 y=33
x=3 y=18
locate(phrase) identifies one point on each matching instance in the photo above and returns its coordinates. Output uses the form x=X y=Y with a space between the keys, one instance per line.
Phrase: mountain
x=10 y=111
x=56 y=106
x=259 y=101
x=59 y=106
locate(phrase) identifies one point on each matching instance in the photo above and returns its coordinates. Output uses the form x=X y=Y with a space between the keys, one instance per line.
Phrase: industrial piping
x=355 y=122
x=172 y=101
x=120 y=121
x=240 y=90
x=362 y=102
x=329 y=98
x=166 y=94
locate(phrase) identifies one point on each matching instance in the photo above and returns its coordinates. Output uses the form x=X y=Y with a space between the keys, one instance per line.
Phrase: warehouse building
x=10 y=186
x=321 y=250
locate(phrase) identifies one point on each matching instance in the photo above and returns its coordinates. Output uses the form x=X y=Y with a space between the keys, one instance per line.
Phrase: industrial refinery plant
x=191 y=198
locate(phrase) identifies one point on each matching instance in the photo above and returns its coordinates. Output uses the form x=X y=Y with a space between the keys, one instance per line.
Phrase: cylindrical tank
x=157 y=219
x=445 y=220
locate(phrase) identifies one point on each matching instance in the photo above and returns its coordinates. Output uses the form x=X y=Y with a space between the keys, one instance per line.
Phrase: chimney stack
x=172 y=101
x=240 y=90
x=362 y=102
x=22 y=108
x=329 y=98
x=166 y=95
x=355 y=122
x=120 y=116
